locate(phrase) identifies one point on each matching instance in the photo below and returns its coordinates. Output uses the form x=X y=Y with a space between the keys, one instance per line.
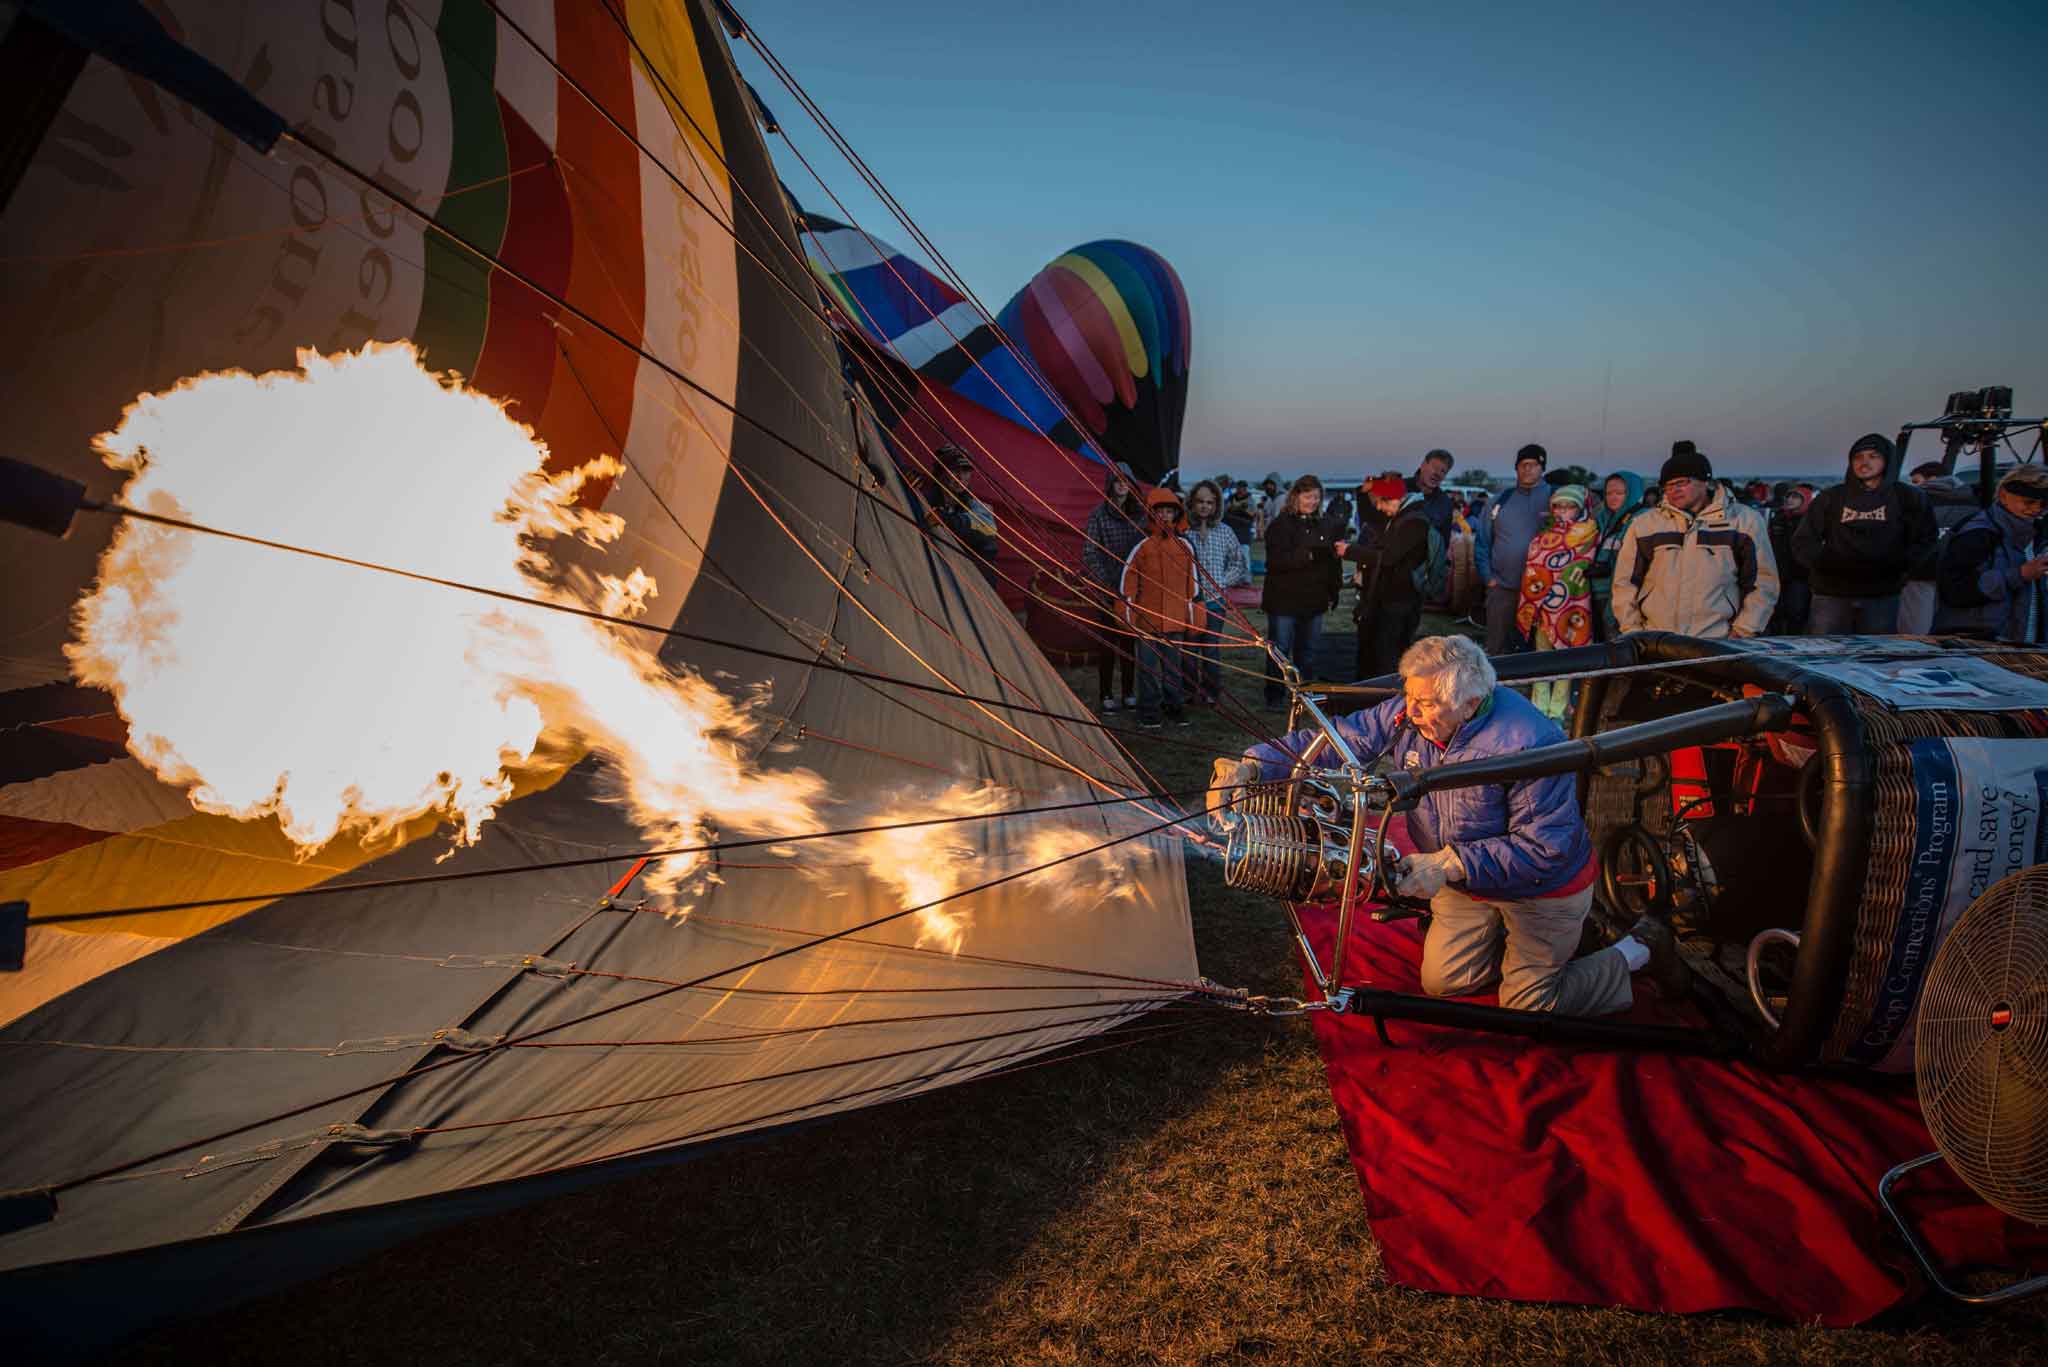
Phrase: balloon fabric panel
x=1136 y=336
x=1081 y=323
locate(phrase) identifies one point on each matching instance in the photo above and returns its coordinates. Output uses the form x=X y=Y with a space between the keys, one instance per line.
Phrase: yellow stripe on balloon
x=1119 y=312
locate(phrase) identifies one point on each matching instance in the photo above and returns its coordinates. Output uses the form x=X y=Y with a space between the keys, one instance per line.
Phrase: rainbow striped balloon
x=1107 y=324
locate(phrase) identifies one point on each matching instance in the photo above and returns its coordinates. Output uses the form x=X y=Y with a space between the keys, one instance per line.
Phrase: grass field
x=1186 y=1200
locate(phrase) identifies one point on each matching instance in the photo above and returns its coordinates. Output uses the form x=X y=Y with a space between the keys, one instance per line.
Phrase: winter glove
x=1227 y=778
x=1424 y=875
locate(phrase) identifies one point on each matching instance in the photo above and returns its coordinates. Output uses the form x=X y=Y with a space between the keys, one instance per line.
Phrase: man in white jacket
x=1699 y=563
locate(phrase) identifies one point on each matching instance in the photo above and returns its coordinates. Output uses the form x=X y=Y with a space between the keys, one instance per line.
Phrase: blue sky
x=1409 y=226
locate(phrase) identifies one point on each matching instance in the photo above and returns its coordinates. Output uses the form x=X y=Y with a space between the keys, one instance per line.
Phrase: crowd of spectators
x=1559 y=563
x=1551 y=562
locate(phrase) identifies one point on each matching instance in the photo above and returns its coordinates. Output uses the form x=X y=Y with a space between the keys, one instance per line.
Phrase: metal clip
x=345 y=1135
x=1241 y=994
x=818 y=639
x=452 y=1037
x=1282 y=1006
x=532 y=963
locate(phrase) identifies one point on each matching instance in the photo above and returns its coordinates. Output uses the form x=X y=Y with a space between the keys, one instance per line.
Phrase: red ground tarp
x=1494 y=1166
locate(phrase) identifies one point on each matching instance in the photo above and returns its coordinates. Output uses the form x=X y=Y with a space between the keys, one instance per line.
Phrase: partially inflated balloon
x=1107 y=324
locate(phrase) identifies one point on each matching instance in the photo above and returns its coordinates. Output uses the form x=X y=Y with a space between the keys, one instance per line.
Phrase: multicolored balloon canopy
x=1107 y=325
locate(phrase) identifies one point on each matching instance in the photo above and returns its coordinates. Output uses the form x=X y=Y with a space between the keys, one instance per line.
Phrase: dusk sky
x=1402 y=227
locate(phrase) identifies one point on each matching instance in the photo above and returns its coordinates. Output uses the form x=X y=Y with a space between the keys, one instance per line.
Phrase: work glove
x=1424 y=875
x=1227 y=777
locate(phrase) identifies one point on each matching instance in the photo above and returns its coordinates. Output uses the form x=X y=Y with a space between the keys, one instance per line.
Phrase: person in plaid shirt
x=1223 y=564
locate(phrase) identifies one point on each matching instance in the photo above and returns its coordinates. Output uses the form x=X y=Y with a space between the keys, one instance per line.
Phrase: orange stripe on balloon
x=1089 y=323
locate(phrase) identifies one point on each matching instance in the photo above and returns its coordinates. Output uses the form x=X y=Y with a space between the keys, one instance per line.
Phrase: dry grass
x=1181 y=1201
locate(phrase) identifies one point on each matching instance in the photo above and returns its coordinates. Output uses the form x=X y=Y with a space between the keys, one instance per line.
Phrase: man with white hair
x=1508 y=868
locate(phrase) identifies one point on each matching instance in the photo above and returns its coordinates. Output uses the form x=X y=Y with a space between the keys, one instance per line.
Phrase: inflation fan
x=1980 y=1060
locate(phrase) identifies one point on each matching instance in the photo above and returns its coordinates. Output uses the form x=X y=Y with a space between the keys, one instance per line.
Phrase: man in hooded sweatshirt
x=1993 y=566
x=1162 y=600
x=1501 y=549
x=1857 y=541
x=1699 y=562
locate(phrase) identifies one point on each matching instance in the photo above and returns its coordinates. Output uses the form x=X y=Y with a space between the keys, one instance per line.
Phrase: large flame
x=336 y=699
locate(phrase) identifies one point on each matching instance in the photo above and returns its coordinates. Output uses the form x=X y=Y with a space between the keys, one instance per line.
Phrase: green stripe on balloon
x=1132 y=297
x=455 y=309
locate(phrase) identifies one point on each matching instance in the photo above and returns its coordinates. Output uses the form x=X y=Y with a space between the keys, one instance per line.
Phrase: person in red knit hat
x=1392 y=546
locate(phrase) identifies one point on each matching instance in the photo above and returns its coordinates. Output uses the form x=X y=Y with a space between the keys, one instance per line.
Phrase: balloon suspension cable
x=643 y=858
x=79 y=503
x=953 y=277
x=909 y=398
x=493 y=1047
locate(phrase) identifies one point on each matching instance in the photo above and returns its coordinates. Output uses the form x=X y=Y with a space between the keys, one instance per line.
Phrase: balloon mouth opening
x=2001 y=1015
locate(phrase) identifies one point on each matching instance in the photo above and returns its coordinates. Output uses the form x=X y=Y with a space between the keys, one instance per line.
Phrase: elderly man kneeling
x=1508 y=869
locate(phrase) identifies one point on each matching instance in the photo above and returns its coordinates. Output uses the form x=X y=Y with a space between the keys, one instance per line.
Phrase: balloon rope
x=675 y=103
x=1121 y=1039
x=875 y=374
x=592 y=614
x=241 y=239
x=591 y=861
x=420 y=1070
x=1117 y=1011
x=902 y=216
x=1035 y=555
x=704 y=553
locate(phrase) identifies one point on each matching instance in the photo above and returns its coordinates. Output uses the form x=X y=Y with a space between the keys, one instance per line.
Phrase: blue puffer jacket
x=1515 y=840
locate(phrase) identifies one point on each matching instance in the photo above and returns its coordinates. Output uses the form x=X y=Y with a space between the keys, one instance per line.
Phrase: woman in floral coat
x=1556 y=609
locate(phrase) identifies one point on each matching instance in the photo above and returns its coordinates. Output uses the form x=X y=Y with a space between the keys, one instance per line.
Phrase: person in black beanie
x=1857 y=541
x=1699 y=562
x=1501 y=548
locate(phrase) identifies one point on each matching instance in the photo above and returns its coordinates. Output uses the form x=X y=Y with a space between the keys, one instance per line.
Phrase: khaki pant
x=1464 y=953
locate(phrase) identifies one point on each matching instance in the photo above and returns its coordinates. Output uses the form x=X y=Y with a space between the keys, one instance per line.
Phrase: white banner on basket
x=1977 y=817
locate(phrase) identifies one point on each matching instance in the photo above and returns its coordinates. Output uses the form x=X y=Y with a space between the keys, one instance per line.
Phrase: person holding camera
x=1992 y=566
x=1392 y=545
x=1699 y=562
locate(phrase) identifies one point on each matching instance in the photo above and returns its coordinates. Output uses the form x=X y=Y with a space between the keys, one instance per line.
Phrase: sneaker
x=1150 y=725
x=1130 y=700
x=1110 y=705
x=1666 y=968
x=1180 y=719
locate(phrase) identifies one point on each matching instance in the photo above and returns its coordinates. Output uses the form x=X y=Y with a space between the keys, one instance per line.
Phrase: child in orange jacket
x=1161 y=596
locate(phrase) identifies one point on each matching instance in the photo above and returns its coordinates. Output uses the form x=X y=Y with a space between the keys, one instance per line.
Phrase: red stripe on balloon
x=1096 y=329
x=1059 y=317
x=1052 y=359
x=518 y=360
